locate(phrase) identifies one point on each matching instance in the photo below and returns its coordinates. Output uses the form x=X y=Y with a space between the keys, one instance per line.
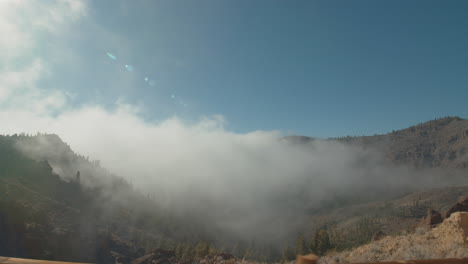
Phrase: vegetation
x=88 y=212
x=320 y=243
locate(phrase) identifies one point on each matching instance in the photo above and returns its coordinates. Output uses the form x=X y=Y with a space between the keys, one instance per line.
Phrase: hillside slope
x=85 y=214
x=58 y=205
x=438 y=143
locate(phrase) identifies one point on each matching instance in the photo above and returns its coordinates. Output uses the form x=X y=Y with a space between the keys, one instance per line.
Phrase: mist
x=256 y=185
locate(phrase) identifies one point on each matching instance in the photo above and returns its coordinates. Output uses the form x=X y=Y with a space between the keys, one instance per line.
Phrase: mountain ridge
x=107 y=212
x=440 y=142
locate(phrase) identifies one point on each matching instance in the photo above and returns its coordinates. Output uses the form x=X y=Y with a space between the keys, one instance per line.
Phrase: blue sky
x=317 y=68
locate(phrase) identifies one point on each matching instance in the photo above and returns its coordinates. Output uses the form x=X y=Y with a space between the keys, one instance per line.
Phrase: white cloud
x=21 y=22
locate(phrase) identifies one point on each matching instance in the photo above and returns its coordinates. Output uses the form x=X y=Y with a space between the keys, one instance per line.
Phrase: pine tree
x=301 y=248
x=189 y=253
x=202 y=249
x=321 y=242
x=314 y=242
x=179 y=251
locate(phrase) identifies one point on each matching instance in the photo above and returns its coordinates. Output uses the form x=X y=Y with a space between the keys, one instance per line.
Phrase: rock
x=432 y=218
x=460 y=206
x=447 y=240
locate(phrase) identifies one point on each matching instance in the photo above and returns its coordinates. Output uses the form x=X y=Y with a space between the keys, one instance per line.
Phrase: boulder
x=432 y=218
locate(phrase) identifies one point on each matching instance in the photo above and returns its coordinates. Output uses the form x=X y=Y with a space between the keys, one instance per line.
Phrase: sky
x=315 y=68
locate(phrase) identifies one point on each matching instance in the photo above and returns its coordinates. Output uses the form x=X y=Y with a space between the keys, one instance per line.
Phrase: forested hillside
x=439 y=143
x=88 y=216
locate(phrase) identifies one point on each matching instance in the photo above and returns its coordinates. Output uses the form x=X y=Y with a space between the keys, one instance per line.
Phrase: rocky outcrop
x=447 y=240
x=433 y=218
x=460 y=206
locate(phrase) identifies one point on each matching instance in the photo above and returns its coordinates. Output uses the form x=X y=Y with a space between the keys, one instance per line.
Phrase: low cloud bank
x=253 y=184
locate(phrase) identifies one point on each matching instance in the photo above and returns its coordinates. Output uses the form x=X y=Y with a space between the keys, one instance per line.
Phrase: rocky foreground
x=446 y=240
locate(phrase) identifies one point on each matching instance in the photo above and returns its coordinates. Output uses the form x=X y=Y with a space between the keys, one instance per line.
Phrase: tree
x=301 y=248
x=202 y=250
x=320 y=243
x=314 y=242
x=179 y=251
x=188 y=253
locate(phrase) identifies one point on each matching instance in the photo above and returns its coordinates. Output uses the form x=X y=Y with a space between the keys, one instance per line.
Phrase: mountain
x=58 y=205
x=438 y=147
x=437 y=143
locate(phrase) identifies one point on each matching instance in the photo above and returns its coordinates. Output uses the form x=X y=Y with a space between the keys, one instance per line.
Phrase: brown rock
x=432 y=218
x=446 y=241
x=461 y=206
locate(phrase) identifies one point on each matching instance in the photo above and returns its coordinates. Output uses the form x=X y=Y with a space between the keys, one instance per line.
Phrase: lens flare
x=129 y=67
x=112 y=56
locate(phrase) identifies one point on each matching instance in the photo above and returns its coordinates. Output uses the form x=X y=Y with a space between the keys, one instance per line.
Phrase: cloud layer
x=255 y=184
